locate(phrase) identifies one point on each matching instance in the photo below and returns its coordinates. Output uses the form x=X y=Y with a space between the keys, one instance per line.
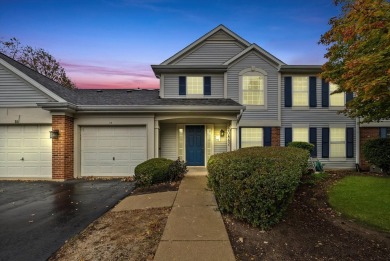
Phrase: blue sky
x=112 y=43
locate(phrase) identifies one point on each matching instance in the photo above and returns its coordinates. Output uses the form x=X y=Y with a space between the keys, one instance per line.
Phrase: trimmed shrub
x=256 y=184
x=301 y=145
x=152 y=171
x=377 y=152
x=176 y=170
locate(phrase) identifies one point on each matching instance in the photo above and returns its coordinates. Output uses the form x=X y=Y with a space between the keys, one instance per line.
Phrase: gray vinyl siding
x=319 y=118
x=16 y=91
x=271 y=113
x=168 y=141
x=212 y=53
x=220 y=146
x=171 y=86
x=221 y=36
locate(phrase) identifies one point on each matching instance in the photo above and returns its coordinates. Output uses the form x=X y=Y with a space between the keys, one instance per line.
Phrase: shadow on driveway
x=36 y=218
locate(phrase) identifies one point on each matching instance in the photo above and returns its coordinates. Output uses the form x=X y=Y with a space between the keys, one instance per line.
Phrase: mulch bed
x=311 y=230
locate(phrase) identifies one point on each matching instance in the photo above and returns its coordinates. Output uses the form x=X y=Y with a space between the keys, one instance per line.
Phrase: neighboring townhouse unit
x=218 y=94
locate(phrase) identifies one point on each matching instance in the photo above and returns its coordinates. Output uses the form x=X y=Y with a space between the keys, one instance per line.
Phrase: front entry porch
x=194 y=139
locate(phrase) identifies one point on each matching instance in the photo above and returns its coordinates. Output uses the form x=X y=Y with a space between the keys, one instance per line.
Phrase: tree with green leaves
x=358 y=53
x=37 y=59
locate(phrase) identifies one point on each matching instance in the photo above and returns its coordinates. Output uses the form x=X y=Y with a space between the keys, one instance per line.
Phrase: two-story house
x=218 y=94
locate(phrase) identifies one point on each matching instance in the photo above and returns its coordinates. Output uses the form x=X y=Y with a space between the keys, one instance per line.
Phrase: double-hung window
x=337 y=142
x=300 y=134
x=300 y=91
x=194 y=85
x=251 y=137
x=336 y=99
x=253 y=90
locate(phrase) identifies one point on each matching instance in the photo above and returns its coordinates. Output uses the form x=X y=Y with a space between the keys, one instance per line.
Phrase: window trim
x=252 y=71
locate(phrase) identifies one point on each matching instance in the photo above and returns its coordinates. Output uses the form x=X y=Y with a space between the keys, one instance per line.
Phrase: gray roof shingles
x=116 y=97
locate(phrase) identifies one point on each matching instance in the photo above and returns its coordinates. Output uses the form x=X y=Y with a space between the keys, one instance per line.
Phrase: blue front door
x=195 y=145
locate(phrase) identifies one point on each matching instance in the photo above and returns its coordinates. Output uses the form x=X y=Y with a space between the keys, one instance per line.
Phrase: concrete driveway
x=36 y=218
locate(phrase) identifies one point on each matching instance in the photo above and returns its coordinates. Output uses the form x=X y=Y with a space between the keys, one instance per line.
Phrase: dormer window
x=194 y=85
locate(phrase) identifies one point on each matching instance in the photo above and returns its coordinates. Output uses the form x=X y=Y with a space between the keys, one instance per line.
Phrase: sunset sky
x=112 y=43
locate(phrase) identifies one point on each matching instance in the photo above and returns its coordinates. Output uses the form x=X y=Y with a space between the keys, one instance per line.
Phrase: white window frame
x=294 y=91
x=333 y=141
x=195 y=85
x=260 y=135
x=253 y=71
x=336 y=96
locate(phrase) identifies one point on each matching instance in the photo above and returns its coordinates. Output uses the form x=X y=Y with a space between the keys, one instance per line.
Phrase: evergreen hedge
x=256 y=184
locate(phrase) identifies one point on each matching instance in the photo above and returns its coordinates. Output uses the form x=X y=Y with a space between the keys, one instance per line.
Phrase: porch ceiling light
x=54 y=134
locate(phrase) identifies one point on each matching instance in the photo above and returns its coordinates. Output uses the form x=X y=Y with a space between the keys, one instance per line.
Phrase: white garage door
x=112 y=151
x=25 y=151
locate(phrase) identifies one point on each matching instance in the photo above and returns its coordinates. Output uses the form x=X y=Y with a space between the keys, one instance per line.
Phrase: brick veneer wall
x=275 y=137
x=62 y=148
x=365 y=135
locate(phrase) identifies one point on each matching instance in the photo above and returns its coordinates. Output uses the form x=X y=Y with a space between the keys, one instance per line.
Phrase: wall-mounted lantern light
x=54 y=134
x=222 y=133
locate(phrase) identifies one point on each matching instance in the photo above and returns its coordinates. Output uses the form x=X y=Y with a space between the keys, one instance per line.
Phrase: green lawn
x=366 y=199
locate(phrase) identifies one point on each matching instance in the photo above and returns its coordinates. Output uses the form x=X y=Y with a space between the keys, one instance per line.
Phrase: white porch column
x=156 y=139
x=233 y=136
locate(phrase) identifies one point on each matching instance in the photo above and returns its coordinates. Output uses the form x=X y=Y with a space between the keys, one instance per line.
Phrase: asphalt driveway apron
x=36 y=218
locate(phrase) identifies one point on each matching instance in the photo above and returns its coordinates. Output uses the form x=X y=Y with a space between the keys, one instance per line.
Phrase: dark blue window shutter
x=325 y=93
x=287 y=91
x=382 y=132
x=313 y=91
x=325 y=142
x=348 y=96
x=349 y=142
x=182 y=85
x=313 y=140
x=207 y=85
x=267 y=136
x=287 y=136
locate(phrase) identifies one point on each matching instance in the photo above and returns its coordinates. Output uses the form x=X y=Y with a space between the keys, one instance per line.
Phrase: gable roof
x=258 y=49
x=46 y=85
x=203 y=38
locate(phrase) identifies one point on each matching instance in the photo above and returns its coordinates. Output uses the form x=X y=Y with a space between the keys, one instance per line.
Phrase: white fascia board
x=158 y=108
x=201 y=39
x=31 y=81
x=258 y=49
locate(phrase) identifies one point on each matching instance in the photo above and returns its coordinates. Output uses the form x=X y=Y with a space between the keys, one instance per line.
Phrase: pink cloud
x=118 y=76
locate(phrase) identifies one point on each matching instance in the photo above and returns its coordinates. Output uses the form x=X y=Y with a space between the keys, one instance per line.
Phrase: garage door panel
x=14 y=143
x=30 y=142
x=113 y=142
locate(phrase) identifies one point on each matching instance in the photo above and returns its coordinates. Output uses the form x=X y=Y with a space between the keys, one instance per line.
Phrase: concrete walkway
x=194 y=230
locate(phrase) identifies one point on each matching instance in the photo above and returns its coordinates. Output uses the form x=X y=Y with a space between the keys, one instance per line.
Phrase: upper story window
x=194 y=85
x=253 y=90
x=300 y=90
x=253 y=87
x=336 y=99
